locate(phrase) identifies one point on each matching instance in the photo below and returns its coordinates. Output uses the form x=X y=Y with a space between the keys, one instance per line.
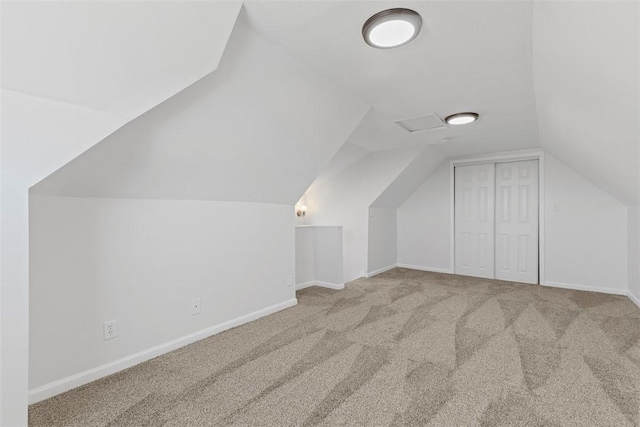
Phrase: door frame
x=512 y=156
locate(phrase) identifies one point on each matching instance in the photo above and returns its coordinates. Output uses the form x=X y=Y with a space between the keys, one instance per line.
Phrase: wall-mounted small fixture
x=392 y=28
x=461 y=118
x=302 y=211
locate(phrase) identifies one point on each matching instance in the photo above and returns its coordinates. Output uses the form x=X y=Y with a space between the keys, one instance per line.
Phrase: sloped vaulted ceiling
x=73 y=72
x=558 y=75
x=258 y=129
x=587 y=84
x=119 y=57
x=470 y=56
x=562 y=75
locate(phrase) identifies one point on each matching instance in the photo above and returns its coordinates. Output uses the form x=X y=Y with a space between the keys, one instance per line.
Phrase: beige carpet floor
x=402 y=348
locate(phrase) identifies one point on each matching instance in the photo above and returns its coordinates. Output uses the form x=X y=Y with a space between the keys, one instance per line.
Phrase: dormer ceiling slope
x=121 y=57
x=469 y=56
x=539 y=73
x=586 y=58
x=558 y=75
x=74 y=72
x=258 y=129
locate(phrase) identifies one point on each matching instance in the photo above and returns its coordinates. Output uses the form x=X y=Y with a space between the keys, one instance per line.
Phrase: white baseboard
x=634 y=298
x=336 y=286
x=60 y=386
x=584 y=288
x=304 y=285
x=380 y=270
x=422 y=268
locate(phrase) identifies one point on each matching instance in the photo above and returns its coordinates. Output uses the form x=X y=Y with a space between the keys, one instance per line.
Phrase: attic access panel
x=421 y=123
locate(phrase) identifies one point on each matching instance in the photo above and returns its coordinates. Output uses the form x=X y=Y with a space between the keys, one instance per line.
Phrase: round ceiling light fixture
x=392 y=28
x=461 y=118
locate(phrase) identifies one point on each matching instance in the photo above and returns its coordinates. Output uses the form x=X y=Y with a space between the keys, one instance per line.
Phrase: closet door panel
x=474 y=207
x=516 y=225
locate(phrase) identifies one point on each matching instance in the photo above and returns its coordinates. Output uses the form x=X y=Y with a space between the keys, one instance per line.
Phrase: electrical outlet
x=195 y=306
x=289 y=281
x=110 y=330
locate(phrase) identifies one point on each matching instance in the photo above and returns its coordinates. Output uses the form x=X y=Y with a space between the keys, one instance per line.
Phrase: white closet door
x=517 y=221
x=474 y=220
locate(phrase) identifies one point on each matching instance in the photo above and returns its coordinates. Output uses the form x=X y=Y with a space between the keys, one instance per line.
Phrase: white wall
x=424 y=237
x=585 y=240
x=305 y=255
x=383 y=239
x=38 y=136
x=328 y=256
x=141 y=262
x=634 y=252
x=196 y=145
x=345 y=200
x=319 y=256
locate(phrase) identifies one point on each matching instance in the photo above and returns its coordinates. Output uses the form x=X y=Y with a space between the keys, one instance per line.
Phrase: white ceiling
x=120 y=57
x=258 y=129
x=410 y=179
x=562 y=75
x=469 y=56
x=345 y=157
x=540 y=73
x=586 y=61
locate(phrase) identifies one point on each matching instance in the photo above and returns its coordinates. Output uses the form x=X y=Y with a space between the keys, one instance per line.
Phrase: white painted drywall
x=120 y=58
x=633 y=217
x=305 y=255
x=430 y=75
x=345 y=200
x=587 y=89
x=586 y=237
x=38 y=136
x=45 y=125
x=424 y=237
x=410 y=179
x=38 y=140
x=319 y=256
x=383 y=239
x=258 y=129
x=141 y=262
x=585 y=240
x=328 y=255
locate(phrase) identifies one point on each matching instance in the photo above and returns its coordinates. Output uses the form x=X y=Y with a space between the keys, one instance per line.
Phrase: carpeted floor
x=402 y=348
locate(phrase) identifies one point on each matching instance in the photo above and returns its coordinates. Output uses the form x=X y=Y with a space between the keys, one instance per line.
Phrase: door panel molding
x=475 y=218
x=499 y=158
x=518 y=262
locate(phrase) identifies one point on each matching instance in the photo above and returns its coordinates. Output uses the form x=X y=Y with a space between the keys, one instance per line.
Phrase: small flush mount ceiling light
x=391 y=28
x=461 y=118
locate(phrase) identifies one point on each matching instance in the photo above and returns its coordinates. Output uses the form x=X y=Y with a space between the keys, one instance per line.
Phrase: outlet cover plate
x=110 y=330
x=195 y=306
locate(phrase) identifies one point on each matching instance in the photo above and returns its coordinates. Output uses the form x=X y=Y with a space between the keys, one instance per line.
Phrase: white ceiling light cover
x=392 y=28
x=461 y=118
